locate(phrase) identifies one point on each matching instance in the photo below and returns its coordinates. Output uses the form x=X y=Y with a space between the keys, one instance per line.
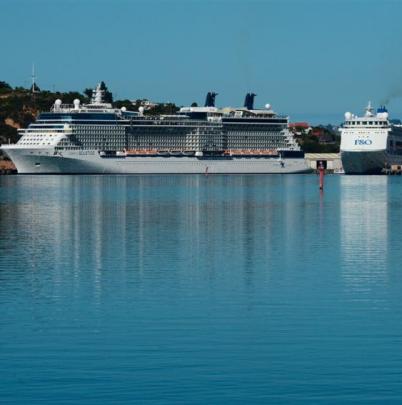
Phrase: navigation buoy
x=321 y=170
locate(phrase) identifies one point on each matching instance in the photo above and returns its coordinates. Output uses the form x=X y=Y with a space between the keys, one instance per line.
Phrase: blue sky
x=308 y=58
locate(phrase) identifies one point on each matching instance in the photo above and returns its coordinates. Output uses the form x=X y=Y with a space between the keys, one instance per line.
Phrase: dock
x=331 y=161
x=393 y=170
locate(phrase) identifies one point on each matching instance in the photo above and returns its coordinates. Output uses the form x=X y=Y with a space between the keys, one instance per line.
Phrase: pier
x=331 y=161
x=393 y=170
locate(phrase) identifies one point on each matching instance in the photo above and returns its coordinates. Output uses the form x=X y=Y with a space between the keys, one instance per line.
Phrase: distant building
x=331 y=161
x=147 y=104
x=304 y=125
x=300 y=128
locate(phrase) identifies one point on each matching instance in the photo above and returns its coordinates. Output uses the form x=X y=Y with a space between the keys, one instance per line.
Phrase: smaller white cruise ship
x=370 y=143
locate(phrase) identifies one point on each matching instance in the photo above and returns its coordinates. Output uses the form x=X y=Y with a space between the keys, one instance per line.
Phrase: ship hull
x=370 y=162
x=358 y=162
x=90 y=162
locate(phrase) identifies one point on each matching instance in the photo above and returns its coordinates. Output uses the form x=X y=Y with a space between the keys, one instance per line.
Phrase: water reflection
x=134 y=227
x=364 y=231
x=241 y=287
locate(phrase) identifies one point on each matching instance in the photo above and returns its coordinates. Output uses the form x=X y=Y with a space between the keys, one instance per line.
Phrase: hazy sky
x=303 y=56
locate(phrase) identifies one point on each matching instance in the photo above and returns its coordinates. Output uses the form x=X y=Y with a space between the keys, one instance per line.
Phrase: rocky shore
x=7 y=167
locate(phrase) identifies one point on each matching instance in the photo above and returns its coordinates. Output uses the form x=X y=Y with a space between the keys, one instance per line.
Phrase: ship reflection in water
x=364 y=232
x=124 y=222
x=200 y=289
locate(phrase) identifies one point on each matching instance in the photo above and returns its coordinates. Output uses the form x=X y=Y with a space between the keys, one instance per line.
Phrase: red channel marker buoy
x=322 y=172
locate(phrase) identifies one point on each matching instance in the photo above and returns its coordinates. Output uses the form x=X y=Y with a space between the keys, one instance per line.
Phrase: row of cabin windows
x=102 y=131
x=229 y=129
x=96 y=127
x=241 y=136
x=182 y=140
x=364 y=132
x=366 y=123
x=35 y=143
x=251 y=128
x=146 y=132
x=230 y=142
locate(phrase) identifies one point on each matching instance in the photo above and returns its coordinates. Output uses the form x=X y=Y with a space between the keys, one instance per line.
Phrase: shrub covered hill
x=19 y=107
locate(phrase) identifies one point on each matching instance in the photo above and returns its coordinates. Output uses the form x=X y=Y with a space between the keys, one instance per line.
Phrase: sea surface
x=200 y=289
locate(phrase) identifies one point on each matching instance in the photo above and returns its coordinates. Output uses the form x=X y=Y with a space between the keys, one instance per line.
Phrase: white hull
x=44 y=161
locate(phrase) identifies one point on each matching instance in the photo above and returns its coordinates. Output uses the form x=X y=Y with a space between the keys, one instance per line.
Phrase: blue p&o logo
x=363 y=141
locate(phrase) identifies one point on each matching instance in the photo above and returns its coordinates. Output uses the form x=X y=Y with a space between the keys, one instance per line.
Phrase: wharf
x=331 y=161
x=393 y=170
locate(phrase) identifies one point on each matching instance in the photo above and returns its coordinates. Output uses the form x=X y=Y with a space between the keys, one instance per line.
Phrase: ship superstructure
x=247 y=128
x=370 y=143
x=97 y=138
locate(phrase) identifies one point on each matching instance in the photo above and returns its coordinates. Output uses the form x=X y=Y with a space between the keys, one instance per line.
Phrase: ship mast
x=369 y=110
x=33 y=78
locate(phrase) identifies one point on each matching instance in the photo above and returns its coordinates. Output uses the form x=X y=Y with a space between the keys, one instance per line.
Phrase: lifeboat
x=136 y=152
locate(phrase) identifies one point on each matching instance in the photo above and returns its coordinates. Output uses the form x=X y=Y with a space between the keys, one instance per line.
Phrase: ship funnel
x=249 y=101
x=210 y=99
x=382 y=109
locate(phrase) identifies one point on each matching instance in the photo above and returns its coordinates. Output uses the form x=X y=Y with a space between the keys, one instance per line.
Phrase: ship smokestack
x=210 y=99
x=249 y=101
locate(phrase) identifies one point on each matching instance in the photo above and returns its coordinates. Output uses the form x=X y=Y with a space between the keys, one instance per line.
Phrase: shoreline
x=7 y=167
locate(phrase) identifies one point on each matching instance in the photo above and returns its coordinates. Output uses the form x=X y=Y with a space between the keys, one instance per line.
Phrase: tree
x=5 y=88
x=164 y=109
x=4 y=85
x=124 y=103
x=69 y=97
x=108 y=96
x=194 y=104
x=34 y=88
x=88 y=93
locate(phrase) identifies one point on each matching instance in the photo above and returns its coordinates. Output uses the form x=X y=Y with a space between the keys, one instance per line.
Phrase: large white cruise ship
x=96 y=138
x=370 y=143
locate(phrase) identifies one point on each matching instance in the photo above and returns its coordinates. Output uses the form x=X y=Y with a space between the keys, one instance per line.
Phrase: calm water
x=194 y=289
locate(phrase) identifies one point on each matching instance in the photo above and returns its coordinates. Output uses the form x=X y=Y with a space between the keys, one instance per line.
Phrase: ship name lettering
x=363 y=142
